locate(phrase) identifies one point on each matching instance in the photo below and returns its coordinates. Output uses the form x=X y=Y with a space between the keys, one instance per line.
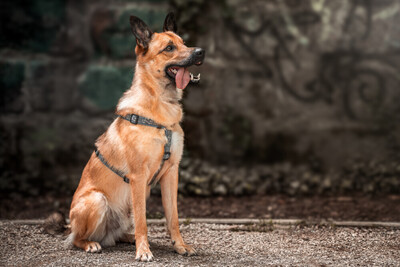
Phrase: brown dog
x=143 y=145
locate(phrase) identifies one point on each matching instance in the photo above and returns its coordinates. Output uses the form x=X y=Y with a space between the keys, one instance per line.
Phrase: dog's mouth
x=181 y=75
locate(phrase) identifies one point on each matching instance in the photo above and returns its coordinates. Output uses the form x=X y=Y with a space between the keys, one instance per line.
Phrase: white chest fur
x=177 y=145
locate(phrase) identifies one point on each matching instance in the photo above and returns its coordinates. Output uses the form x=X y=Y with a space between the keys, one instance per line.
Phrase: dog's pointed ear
x=141 y=31
x=170 y=23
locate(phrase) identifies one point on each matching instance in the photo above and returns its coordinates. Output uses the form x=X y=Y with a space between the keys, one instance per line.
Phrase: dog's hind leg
x=128 y=235
x=88 y=221
x=127 y=238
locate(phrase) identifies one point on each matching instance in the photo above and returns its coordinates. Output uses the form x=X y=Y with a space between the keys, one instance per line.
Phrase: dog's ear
x=170 y=23
x=141 y=31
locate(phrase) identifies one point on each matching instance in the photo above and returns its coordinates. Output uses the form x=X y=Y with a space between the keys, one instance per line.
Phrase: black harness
x=136 y=119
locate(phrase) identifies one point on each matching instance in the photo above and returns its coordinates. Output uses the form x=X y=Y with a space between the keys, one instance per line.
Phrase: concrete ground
x=217 y=245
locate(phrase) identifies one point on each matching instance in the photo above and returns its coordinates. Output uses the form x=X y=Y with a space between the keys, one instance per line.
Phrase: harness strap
x=136 y=119
x=167 y=154
x=114 y=170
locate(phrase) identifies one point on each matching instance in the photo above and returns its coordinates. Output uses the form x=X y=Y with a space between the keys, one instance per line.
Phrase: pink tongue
x=182 y=78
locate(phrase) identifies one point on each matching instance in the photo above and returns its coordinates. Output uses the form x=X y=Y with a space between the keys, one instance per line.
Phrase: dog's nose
x=199 y=55
x=199 y=52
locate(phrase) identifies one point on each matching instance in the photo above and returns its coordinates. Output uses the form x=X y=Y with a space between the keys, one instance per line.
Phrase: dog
x=142 y=146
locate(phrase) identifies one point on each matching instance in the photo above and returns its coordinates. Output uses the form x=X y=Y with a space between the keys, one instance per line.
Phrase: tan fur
x=103 y=203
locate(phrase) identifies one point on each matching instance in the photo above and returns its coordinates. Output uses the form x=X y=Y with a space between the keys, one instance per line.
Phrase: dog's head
x=164 y=55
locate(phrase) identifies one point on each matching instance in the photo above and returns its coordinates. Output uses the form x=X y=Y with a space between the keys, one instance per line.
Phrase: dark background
x=296 y=97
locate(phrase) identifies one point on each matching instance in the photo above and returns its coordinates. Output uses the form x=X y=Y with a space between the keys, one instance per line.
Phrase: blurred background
x=298 y=98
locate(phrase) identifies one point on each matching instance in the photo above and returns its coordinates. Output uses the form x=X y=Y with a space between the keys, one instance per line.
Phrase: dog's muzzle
x=178 y=71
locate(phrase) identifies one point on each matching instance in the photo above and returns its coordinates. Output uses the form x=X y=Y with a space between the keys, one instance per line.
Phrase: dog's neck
x=151 y=98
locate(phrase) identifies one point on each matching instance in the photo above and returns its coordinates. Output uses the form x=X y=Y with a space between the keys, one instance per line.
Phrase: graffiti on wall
x=338 y=50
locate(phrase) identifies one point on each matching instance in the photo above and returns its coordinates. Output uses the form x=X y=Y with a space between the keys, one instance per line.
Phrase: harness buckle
x=166 y=155
x=134 y=119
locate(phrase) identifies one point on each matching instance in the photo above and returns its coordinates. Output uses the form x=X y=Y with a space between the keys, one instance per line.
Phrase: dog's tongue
x=182 y=78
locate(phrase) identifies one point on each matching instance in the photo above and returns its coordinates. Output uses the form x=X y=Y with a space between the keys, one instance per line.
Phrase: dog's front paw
x=184 y=249
x=143 y=253
x=93 y=247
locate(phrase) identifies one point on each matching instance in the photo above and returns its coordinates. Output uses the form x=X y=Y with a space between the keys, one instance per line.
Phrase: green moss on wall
x=104 y=85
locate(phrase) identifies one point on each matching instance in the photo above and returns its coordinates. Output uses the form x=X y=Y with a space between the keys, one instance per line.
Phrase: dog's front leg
x=169 y=192
x=138 y=187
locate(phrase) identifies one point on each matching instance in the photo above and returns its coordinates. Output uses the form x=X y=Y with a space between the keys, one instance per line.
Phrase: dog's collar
x=136 y=119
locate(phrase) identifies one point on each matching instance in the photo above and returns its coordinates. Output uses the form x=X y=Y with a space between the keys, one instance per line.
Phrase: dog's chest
x=176 y=145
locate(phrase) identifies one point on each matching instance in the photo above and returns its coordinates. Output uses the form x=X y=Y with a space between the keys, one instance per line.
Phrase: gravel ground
x=217 y=245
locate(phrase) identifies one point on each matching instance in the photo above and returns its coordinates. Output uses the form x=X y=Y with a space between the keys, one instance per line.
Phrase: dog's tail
x=68 y=243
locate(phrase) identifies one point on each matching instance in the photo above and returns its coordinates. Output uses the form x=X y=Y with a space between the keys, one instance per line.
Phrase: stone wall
x=302 y=88
x=63 y=65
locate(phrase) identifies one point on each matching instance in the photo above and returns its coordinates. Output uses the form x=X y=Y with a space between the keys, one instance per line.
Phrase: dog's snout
x=199 y=54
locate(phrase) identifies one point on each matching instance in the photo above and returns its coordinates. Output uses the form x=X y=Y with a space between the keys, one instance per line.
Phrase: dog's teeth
x=195 y=79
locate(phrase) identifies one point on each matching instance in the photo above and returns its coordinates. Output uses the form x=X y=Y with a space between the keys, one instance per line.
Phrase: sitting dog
x=142 y=146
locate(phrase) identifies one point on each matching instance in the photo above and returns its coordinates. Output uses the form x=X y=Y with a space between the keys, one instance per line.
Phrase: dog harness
x=136 y=119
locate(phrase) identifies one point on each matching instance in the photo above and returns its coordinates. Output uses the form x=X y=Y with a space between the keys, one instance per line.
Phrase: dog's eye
x=169 y=48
